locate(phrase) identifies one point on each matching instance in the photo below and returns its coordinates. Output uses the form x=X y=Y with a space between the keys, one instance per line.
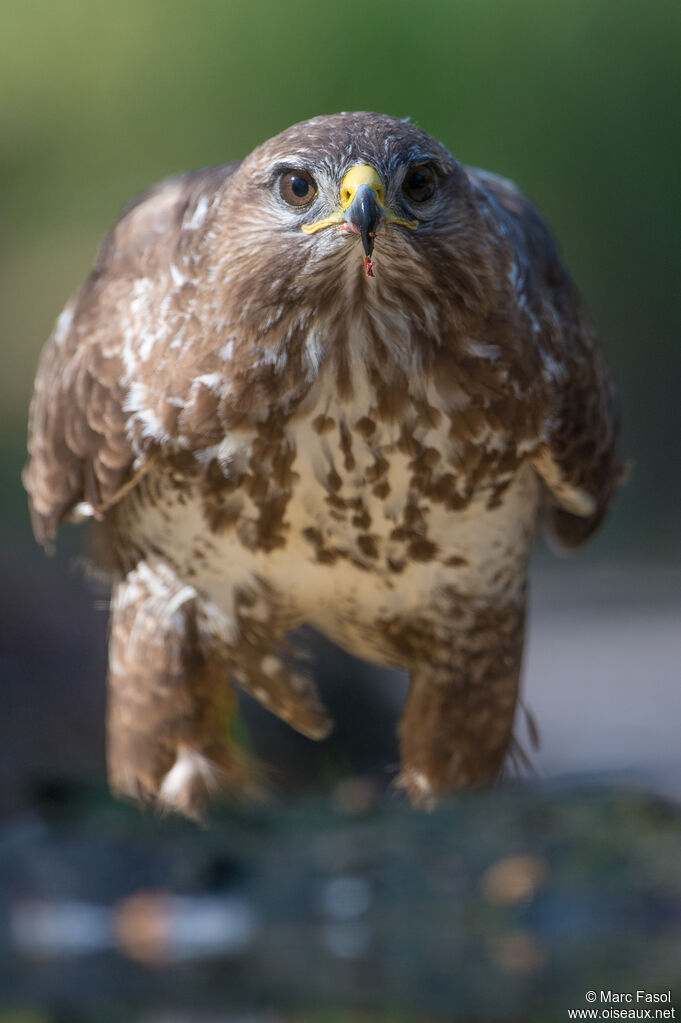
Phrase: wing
x=90 y=432
x=579 y=463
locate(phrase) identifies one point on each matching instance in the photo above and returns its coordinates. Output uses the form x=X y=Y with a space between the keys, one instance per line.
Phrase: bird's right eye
x=297 y=188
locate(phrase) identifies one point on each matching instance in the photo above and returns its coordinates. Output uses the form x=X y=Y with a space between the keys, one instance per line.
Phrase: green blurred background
x=578 y=102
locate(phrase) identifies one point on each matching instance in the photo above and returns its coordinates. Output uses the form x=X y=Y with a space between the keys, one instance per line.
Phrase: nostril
x=346 y=196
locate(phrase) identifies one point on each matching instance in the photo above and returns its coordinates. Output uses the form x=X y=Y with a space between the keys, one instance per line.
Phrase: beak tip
x=364 y=214
x=368 y=243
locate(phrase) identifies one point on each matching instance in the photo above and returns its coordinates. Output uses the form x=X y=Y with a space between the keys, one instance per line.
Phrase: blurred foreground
x=501 y=906
x=339 y=904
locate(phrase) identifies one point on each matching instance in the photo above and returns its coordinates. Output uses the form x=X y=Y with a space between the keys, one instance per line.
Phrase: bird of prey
x=338 y=383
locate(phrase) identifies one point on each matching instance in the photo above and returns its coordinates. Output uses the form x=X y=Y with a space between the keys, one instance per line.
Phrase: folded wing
x=90 y=435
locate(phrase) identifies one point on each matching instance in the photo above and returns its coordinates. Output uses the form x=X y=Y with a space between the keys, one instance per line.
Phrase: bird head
x=362 y=208
x=360 y=189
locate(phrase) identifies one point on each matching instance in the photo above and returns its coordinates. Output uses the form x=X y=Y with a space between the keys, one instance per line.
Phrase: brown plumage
x=270 y=435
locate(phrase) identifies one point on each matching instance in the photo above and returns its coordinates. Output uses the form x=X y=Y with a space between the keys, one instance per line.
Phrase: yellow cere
x=361 y=174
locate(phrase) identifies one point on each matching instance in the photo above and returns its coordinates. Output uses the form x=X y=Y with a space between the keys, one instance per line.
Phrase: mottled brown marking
x=407 y=443
x=272 y=529
x=432 y=457
x=440 y=487
x=457 y=502
x=323 y=424
x=414 y=514
x=365 y=427
x=257 y=484
x=399 y=533
x=368 y=545
x=361 y=519
x=381 y=490
x=379 y=468
x=335 y=502
x=220 y=516
x=333 y=481
x=282 y=472
x=421 y=550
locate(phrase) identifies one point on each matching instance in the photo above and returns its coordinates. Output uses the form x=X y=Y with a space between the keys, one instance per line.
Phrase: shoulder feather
x=87 y=441
x=579 y=463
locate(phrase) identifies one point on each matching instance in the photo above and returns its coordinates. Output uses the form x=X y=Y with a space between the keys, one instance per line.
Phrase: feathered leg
x=457 y=726
x=265 y=666
x=170 y=703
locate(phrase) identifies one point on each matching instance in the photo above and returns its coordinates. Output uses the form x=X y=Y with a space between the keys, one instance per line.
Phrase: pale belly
x=353 y=554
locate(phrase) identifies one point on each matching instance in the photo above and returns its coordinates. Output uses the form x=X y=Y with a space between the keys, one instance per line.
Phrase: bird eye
x=297 y=188
x=419 y=185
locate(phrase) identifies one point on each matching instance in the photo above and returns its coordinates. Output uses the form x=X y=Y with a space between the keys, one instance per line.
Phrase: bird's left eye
x=297 y=188
x=419 y=184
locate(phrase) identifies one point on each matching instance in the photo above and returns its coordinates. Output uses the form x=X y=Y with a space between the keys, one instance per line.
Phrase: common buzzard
x=337 y=383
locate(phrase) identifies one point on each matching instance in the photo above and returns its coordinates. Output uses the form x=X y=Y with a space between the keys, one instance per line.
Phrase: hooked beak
x=362 y=209
x=364 y=215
